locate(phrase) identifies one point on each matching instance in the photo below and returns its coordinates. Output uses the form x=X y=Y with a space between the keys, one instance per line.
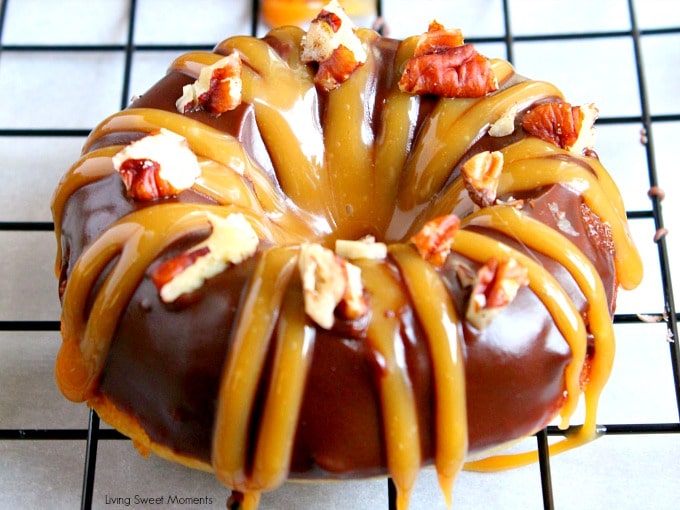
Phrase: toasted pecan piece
x=496 y=286
x=330 y=284
x=231 y=241
x=217 y=89
x=442 y=65
x=434 y=240
x=331 y=42
x=481 y=174
x=159 y=165
x=566 y=126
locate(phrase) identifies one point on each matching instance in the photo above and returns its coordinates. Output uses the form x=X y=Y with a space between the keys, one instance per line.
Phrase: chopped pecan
x=660 y=234
x=142 y=181
x=505 y=125
x=560 y=123
x=364 y=248
x=458 y=72
x=159 y=165
x=336 y=69
x=217 y=89
x=354 y=304
x=651 y=319
x=331 y=19
x=496 y=286
x=444 y=66
x=332 y=43
x=231 y=241
x=438 y=39
x=434 y=240
x=164 y=272
x=330 y=284
x=465 y=273
x=481 y=174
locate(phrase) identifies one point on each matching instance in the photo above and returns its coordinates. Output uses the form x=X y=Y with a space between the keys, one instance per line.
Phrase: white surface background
x=47 y=89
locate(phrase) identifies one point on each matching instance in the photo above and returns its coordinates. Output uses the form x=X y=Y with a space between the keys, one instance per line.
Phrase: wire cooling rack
x=65 y=65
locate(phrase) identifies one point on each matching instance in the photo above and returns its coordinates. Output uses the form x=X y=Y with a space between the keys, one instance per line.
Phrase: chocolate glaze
x=165 y=361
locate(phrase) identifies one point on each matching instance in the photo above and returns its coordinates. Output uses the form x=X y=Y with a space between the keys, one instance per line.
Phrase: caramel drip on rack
x=373 y=169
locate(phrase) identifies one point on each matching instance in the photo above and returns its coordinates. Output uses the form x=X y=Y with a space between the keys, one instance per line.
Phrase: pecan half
x=444 y=66
x=434 y=240
x=331 y=42
x=566 y=126
x=217 y=89
x=159 y=165
x=481 y=174
x=496 y=286
x=330 y=285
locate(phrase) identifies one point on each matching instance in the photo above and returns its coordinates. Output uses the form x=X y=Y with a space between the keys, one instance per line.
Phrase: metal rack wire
x=93 y=434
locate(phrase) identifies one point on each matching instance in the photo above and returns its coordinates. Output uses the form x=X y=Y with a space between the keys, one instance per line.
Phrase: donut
x=328 y=254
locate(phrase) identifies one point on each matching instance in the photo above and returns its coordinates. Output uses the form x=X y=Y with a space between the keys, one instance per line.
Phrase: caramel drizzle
x=548 y=171
x=523 y=171
x=435 y=310
x=400 y=419
x=452 y=129
x=352 y=169
x=286 y=107
x=88 y=169
x=543 y=239
x=292 y=144
x=242 y=373
x=393 y=140
x=567 y=319
x=135 y=241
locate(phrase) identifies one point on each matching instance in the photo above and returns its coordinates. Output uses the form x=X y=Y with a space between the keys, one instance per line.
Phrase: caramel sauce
x=438 y=316
x=362 y=159
x=396 y=394
x=242 y=373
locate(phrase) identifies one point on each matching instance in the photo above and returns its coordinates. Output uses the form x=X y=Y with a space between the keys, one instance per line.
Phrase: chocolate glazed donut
x=306 y=165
